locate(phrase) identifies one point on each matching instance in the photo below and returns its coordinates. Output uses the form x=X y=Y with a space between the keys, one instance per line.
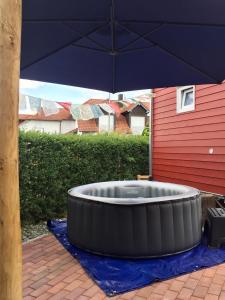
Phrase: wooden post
x=10 y=237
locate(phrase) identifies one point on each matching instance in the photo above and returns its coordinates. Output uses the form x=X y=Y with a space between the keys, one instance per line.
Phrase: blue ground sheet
x=115 y=276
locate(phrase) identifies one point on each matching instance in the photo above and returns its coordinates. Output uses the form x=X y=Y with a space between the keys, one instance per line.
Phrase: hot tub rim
x=77 y=193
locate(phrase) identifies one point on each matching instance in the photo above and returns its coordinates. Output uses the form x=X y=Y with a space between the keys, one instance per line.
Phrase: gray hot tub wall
x=134 y=227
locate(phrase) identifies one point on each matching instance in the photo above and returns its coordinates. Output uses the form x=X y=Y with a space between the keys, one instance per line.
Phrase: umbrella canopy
x=119 y=45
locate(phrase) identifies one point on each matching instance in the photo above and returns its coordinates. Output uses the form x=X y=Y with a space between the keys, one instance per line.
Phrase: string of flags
x=31 y=106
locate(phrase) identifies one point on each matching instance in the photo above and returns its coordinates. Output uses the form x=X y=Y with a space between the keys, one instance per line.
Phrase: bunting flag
x=86 y=112
x=97 y=112
x=142 y=98
x=133 y=100
x=66 y=105
x=115 y=106
x=124 y=103
x=35 y=104
x=107 y=108
x=22 y=103
x=29 y=105
x=49 y=107
x=75 y=111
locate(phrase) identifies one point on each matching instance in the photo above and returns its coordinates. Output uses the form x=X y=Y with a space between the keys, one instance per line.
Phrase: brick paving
x=50 y=272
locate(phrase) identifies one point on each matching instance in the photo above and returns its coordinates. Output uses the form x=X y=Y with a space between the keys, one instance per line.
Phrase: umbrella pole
x=109 y=117
x=10 y=233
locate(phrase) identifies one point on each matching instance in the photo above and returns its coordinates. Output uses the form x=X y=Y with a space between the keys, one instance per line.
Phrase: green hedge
x=51 y=164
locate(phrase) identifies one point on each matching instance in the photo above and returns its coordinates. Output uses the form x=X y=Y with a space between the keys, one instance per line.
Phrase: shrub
x=51 y=164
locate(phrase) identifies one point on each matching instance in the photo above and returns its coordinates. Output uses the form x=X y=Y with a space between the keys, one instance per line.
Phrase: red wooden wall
x=181 y=142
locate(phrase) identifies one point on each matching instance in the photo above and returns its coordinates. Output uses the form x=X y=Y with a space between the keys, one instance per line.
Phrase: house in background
x=137 y=116
x=51 y=119
x=60 y=123
x=122 y=116
x=189 y=136
x=131 y=118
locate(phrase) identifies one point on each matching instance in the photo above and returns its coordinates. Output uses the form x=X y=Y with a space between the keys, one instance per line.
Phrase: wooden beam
x=10 y=234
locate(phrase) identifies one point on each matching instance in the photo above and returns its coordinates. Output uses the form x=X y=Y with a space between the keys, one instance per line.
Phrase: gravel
x=31 y=231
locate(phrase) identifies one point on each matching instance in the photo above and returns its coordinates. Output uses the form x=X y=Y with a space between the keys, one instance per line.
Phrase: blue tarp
x=115 y=276
x=120 y=45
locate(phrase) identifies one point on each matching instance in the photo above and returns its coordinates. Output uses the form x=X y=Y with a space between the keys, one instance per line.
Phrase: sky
x=64 y=93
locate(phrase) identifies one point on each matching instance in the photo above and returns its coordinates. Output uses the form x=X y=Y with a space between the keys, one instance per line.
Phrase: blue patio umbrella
x=119 y=45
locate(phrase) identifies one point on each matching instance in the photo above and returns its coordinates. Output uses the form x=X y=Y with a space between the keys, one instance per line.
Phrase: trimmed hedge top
x=52 y=164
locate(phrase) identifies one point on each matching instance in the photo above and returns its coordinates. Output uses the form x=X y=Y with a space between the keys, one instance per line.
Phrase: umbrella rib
x=171 y=23
x=121 y=21
x=178 y=57
x=139 y=36
x=58 y=49
x=204 y=73
x=86 y=36
x=89 y=48
x=63 y=20
x=136 y=49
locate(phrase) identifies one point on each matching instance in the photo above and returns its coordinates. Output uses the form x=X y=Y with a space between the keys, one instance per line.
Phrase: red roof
x=63 y=114
x=146 y=105
x=87 y=125
x=96 y=101
x=131 y=106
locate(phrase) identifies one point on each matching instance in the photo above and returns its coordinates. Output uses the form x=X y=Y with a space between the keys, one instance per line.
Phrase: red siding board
x=190 y=163
x=192 y=129
x=210 y=89
x=161 y=99
x=187 y=123
x=163 y=91
x=201 y=186
x=190 y=115
x=192 y=157
x=190 y=177
x=171 y=108
x=192 y=150
x=166 y=104
x=182 y=142
x=209 y=98
x=192 y=143
x=189 y=170
x=192 y=136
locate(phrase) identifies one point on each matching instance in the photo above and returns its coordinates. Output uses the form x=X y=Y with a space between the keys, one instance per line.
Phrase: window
x=185 y=98
x=137 y=125
x=106 y=123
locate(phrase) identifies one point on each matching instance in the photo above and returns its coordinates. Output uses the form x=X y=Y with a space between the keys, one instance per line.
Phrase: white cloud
x=30 y=84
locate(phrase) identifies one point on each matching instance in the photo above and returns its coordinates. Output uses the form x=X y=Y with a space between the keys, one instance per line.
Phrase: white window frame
x=180 y=106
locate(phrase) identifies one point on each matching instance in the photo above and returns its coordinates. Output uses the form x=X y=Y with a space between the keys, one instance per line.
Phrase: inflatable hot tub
x=134 y=218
